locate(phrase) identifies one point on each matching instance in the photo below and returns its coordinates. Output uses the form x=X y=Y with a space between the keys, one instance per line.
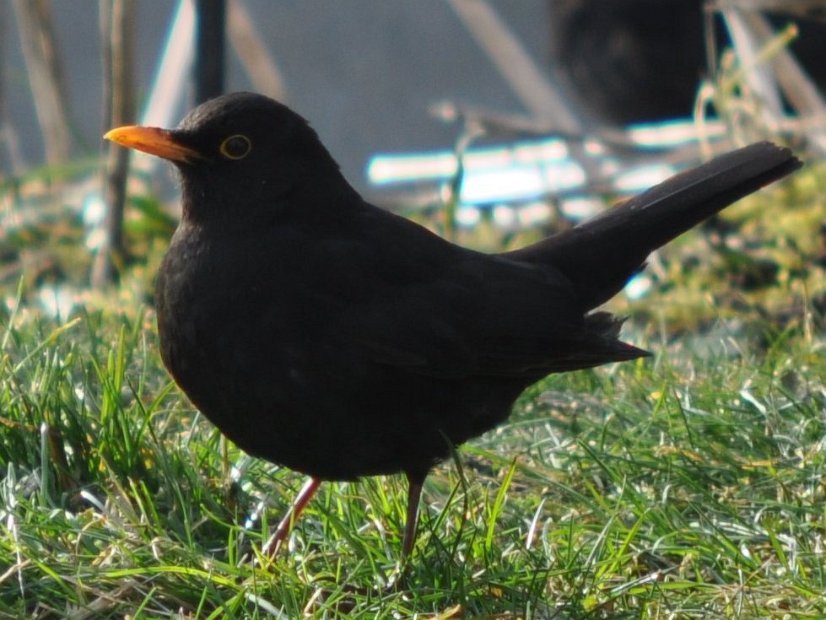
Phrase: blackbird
x=329 y=336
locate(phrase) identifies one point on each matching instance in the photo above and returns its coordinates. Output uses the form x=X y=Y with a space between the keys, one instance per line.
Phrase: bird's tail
x=599 y=255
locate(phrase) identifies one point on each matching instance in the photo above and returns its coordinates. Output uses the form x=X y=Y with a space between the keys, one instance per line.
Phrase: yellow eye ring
x=237 y=146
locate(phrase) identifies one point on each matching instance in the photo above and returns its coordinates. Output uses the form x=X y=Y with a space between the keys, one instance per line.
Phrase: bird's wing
x=480 y=315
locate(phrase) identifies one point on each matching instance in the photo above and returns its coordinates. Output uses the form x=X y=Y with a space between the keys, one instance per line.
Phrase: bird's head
x=238 y=155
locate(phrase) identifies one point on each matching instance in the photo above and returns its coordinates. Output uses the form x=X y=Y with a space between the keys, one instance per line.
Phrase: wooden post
x=117 y=18
x=34 y=20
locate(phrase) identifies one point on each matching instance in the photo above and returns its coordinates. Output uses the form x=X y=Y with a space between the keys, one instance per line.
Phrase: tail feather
x=599 y=255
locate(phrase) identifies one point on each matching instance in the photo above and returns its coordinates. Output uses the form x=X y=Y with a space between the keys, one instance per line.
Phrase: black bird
x=324 y=334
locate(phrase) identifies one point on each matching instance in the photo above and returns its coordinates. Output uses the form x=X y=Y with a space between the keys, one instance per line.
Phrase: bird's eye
x=236 y=147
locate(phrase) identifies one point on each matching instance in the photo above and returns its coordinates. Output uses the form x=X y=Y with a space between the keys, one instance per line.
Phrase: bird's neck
x=322 y=202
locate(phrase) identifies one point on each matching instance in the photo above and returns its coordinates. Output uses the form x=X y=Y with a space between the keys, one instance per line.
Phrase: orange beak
x=153 y=140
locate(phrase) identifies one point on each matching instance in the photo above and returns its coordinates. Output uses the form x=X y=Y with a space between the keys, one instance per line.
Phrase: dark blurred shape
x=210 y=41
x=629 y=61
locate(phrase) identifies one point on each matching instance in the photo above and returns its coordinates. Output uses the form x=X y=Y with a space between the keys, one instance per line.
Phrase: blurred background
x=483 y=115
x=368 y=75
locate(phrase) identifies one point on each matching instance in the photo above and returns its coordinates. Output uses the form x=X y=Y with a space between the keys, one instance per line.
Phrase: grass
x=685 y=486
x=688 y=485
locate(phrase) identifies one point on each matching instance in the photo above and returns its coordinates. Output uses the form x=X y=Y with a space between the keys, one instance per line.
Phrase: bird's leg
x=398 y=579
x=286 y=524
x=414 y=492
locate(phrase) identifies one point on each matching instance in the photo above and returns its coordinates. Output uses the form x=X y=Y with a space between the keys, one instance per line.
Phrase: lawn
x=687 y=485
